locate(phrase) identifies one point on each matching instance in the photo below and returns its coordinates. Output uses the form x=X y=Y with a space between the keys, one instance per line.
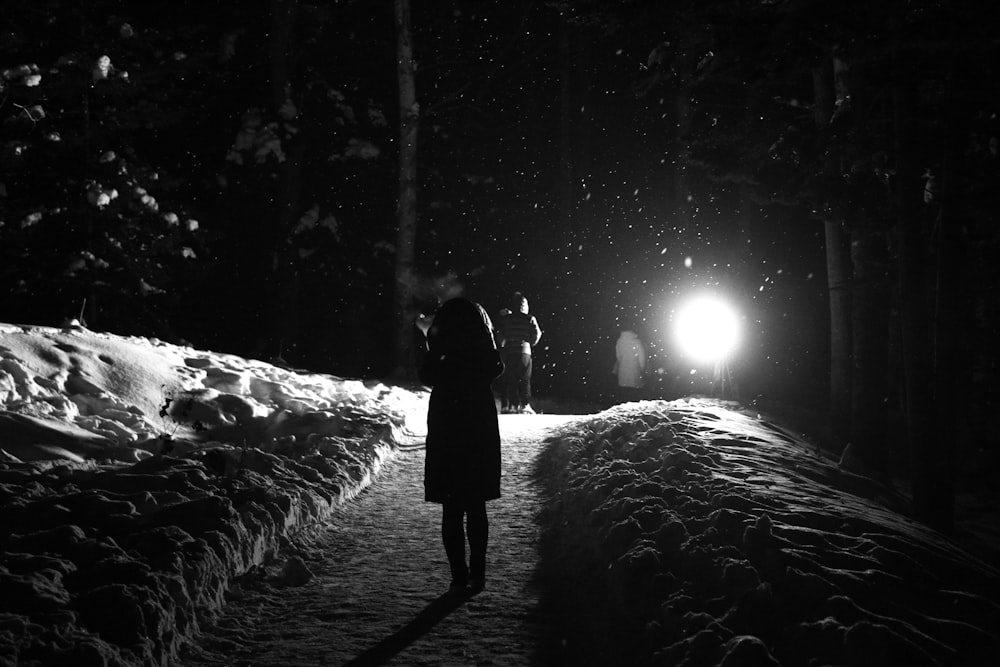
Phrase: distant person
x=630 y=364
x=500 y=384
x=462 y=464
x=517 y=332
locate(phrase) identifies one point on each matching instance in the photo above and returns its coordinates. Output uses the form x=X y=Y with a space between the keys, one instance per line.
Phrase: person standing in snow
x=517 y=332
x=630 y=363
x=462 y=463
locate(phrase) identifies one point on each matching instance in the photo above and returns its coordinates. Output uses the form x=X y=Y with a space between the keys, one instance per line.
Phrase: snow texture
x=716 y=538
x=138 y=478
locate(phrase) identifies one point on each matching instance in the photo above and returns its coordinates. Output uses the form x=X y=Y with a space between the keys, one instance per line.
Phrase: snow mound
x=138 y=478
x=717 y=539
x=77 y=394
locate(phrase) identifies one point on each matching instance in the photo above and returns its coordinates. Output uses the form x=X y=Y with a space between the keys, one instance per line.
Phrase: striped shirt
x=518 y=330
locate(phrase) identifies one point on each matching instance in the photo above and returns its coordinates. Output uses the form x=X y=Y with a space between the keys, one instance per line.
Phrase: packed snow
x=139 y=479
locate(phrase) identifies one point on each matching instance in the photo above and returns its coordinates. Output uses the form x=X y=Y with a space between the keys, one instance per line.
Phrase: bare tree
x=838 y=269
x=281 y=330
x=406 y=208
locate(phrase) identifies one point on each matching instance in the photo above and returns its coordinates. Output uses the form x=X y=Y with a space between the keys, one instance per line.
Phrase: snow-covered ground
x=715 y=538
x=138 y=479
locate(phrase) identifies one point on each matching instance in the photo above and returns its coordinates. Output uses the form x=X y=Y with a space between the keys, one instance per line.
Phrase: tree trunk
x=284 y=320
x=915 y=318
x=935 y=504
x=566 y=174
x=838 y=277
x=684 y=64
x=89 y=309
x=584 y=219
x=406 y=208
x=838 y=271
x=866 y=452
x=280 y=333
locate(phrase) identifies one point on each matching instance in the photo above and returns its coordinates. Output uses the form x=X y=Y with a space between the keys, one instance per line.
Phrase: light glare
x=706 y=330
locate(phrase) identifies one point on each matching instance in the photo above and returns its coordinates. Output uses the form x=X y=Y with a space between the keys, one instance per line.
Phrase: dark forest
x=226 y=173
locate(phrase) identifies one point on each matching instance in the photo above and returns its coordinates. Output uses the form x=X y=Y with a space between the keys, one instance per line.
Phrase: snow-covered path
x=380 y=574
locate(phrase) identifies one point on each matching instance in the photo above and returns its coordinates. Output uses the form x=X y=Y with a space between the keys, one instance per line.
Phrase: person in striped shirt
x=517 y=333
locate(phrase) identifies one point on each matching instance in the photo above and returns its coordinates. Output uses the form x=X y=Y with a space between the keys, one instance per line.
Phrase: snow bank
x=716 y=539
x=138 y=478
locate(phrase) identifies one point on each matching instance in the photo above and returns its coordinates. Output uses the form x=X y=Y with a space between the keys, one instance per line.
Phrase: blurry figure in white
x=630 y=364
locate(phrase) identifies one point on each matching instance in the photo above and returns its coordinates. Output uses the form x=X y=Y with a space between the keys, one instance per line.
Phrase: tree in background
x=471 y=57
x=304 y=191
x=904 y=126
x=221 y=173
x=207 y=173
x=406 y=205
x=811 y=123
x=93 y=222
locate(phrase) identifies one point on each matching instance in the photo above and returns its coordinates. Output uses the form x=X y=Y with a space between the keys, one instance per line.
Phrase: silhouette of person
x=517 y=332
x=462 y=464
x=630 y=363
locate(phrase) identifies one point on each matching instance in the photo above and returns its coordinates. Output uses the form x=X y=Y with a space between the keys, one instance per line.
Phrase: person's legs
x=453 y=536
x=478 y=529
x=511 y=378
x=499 y=393
x=524 y=384
x=500 y=385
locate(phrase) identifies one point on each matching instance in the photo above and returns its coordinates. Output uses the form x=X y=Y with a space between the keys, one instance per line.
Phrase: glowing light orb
x=706 y=330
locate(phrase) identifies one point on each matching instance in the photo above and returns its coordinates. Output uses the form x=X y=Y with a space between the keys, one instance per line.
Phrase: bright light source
x=706 y=330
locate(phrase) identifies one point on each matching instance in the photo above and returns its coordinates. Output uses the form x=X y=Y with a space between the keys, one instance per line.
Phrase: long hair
x=459 y=325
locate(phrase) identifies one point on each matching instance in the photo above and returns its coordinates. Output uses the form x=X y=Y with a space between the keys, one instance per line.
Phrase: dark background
x=550 y=163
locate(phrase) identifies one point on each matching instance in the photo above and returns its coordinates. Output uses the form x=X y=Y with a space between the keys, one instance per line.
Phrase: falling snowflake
x=102 y=68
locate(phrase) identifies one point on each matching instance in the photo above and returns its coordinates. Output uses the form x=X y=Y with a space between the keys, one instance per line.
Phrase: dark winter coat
x=463 y=438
